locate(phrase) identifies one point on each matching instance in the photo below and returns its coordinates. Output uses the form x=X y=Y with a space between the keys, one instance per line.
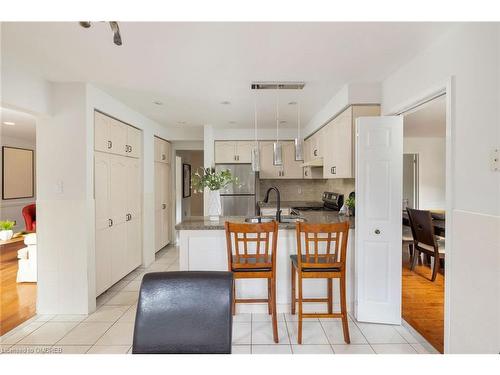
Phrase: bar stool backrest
x=322 y=245
x=251 y=245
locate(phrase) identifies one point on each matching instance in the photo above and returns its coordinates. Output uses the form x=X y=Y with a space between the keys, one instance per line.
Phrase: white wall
x=11 y=209
x=470 y=53
x=431 y=171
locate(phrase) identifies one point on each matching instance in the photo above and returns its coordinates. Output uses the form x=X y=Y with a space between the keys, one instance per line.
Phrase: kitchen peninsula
x=203 y=247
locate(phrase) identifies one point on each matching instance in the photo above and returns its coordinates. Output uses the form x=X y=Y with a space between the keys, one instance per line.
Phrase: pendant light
x=298 y=141
x=277 y=149
x=255 y=149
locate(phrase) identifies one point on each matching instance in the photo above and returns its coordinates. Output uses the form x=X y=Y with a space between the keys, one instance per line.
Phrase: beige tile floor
x=109 y=330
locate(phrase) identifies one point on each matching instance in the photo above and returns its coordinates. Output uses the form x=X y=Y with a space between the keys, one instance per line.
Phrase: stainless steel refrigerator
x=239 y=199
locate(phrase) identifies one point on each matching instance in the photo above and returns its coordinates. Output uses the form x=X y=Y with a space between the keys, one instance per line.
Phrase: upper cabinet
x=313 y=146
x=291 y=169
x=162 y=150
x=339 y=135
x=234 y=152
x=115 y=137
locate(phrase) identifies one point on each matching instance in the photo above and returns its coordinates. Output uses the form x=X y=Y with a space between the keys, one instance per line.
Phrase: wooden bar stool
x=321 y=262
x=256 y=259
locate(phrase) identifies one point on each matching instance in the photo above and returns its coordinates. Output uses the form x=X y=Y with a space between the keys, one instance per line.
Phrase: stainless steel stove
x=331 y=202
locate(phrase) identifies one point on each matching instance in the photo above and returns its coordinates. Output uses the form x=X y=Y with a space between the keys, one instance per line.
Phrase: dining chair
x=407 y=239
x=321 y=254
x=424 y=239
x=251 y=254
x=184 y=312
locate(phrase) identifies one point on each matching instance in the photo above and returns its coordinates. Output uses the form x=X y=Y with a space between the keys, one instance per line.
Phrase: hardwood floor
x=423 y=302
x=17 y=301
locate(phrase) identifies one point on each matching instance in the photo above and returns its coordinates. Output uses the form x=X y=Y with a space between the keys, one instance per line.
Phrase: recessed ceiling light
x=9 y=123
x=225 y=102
x=181 y=122
x=283 y=122
x=232 y=122
x=157 y=102
x=292 y=103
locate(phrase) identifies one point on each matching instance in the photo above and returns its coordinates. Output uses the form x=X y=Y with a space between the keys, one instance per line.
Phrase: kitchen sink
x=268 y=219
x=259 y=219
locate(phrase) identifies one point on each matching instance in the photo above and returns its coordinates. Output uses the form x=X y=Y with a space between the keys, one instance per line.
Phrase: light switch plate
x=495 y=160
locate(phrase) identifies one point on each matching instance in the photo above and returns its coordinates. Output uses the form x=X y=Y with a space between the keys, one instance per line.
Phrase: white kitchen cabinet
x=310 y=173
x=233 y=152
x=118 y=202
x=291 y=169
x=116 y=137
x=134 y=142
x=338 y=157
x=162 y=150
x=163 y=208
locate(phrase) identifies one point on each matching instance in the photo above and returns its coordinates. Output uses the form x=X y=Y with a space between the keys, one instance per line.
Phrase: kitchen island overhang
x=202 y=247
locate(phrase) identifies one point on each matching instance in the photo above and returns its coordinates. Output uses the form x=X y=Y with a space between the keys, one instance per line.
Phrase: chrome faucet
x=278 y=202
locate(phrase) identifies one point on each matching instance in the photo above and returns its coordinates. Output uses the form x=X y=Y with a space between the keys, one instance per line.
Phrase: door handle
x=110 y=144
x=377 y=231
x=110 y=223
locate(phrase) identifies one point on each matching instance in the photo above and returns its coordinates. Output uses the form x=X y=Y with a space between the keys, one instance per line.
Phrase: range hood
x=318 y=162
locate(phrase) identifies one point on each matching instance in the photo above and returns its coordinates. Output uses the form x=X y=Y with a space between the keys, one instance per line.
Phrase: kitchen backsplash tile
x=306 y=190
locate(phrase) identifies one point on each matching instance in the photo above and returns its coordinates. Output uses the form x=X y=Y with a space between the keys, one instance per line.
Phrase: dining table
x=438 y=224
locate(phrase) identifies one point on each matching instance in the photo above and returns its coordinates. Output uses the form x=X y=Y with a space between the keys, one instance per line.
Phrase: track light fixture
x=117 y=39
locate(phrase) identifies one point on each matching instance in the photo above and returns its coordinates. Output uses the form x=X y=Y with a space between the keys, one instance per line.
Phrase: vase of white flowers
x=208 y=178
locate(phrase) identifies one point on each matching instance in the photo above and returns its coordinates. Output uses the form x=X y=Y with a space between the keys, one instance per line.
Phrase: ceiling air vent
x=277 y=85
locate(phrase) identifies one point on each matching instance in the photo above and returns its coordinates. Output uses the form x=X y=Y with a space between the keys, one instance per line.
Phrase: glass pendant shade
x=277 y=154
x=255 y=159
x=299 y=155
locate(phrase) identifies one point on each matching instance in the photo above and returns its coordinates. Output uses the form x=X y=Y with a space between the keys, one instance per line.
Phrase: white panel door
x=119 y=252
x=102 y=215
x=118 y=188
x=134 y=188
x=378 y=219
x=134 y=243
x=225 y=151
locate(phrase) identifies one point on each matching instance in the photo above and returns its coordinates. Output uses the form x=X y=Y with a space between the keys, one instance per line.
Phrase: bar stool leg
x=299 y=329
x=343 y=309
x=269 y=300
x=274 y=312
x=294 y=302
x=330 y=296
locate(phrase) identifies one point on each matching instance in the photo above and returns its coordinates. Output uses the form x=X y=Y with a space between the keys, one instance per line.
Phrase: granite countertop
x=203 y=222
x=290 y=204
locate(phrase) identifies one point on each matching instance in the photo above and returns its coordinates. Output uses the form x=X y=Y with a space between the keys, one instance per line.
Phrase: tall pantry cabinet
x=118 y=200
x=163 y=208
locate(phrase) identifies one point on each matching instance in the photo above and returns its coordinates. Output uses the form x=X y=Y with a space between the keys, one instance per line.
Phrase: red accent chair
x=29 y=214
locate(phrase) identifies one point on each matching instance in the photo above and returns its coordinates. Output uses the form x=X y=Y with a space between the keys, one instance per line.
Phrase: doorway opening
x=18 y=255
x=424 y=189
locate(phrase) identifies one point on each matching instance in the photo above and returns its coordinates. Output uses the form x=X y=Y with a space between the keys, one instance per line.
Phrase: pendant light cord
x=277 y=114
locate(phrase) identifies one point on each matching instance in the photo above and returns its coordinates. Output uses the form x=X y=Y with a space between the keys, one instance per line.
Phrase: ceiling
x=24 y=128
x=192 y=67
x=428 y=120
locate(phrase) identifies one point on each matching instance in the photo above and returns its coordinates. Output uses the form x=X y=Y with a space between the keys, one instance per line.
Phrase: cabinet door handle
x=305 y=173
x=333 y=170
x=126 y=148
x=163 y=206
x=163 y=157
x=110 y=144
x=110 y=223
x=315 y=152
x=129 y=148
